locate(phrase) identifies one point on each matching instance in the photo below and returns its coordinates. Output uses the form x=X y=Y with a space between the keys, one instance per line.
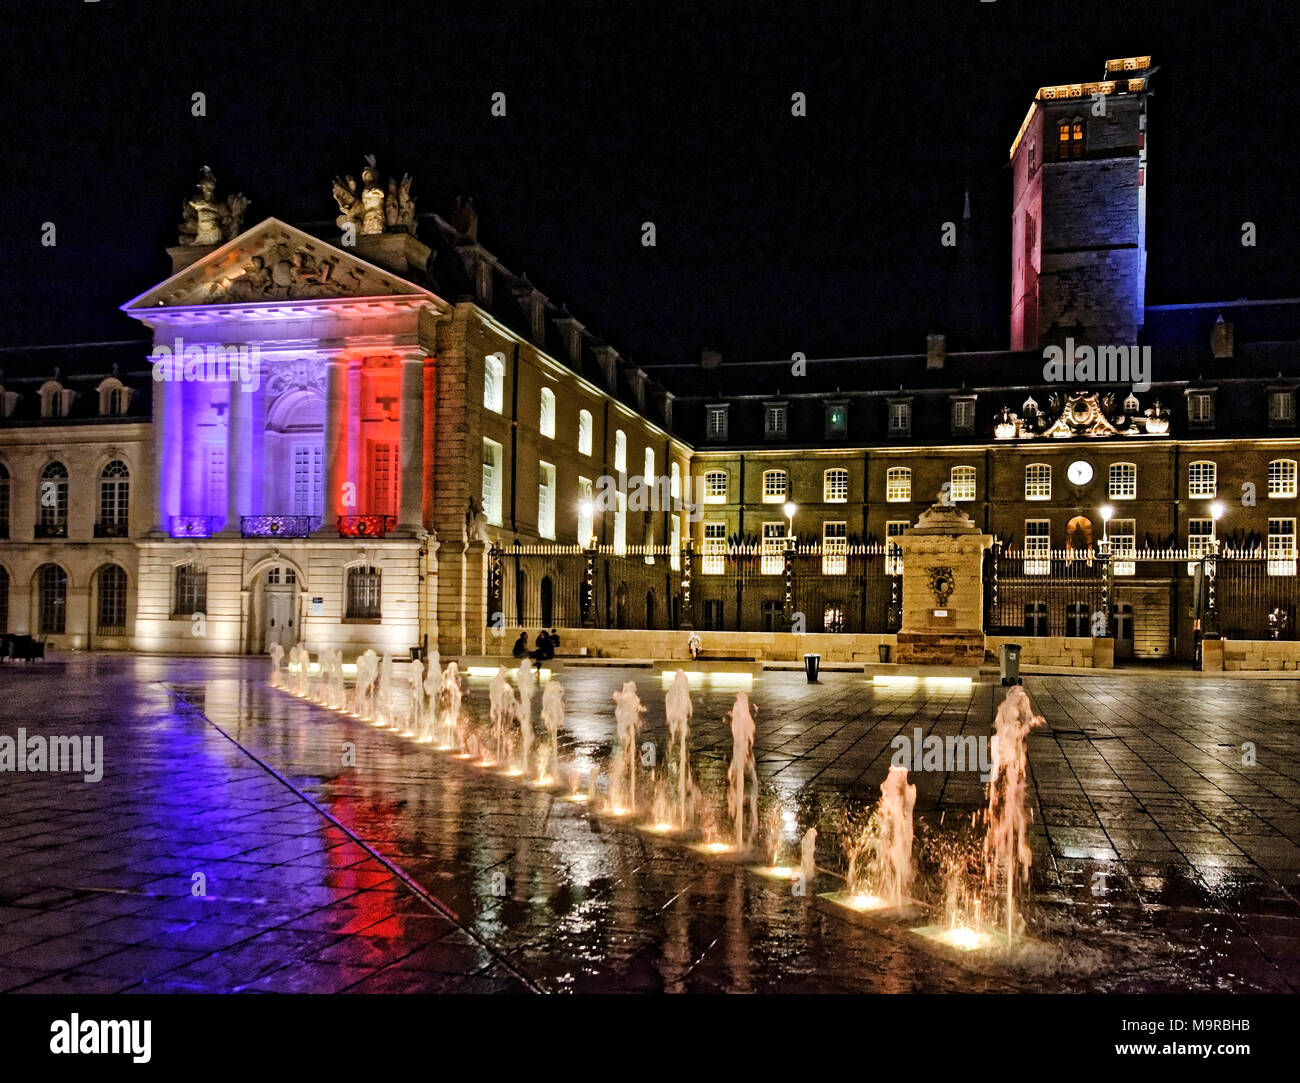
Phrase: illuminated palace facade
x=343 y=430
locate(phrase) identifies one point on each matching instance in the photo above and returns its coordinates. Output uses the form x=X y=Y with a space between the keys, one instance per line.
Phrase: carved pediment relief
x=274 y=262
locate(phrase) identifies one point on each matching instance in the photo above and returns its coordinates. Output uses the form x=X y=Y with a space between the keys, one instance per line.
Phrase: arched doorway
x=279 y=607
x=1078 y=534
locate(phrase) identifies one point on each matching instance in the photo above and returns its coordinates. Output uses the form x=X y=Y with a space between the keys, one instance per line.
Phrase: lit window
x=835 y=547
x=546 y=500
x=1123 y=481
x=716 y=422
x=364 y=593
x=675 y=482
x=648 y=471
x=835 y=486
x=962 y=483
x=1038 y=546
x=1202 y=479
x=191 y=594
x=894 y=551
x=1200 y=408
x=715 y=548
x=494 y=383
x=620 y=450
x=773 y=559
x=492 y=481
x=114 y=499
x=898 y=484
x=586 y=512
x=675 y=542
x=584 y=432
x=1038 y=482
x=111 y=617
x=1123 y=545
x=837 y=420
x=775 y=485
x=963 y=415
x=774 y=420
x=1281 y=407
x=620 y=523
x=715 y=487
x=1281 y=547
x=900 y=417
x=1200 y=538
x=1282 y=477
x=53 y=500
x=546 y=422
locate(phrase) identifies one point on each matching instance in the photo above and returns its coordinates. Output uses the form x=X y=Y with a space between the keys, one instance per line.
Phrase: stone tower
x=1078 y=220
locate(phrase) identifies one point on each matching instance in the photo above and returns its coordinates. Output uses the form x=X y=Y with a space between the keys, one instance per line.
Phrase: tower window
x=1069 y=138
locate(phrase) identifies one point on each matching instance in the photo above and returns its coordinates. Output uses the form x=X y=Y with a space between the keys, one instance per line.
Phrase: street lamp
x=790 y=508
x=1107 y=514
x=587 y=511
x=1216 y=513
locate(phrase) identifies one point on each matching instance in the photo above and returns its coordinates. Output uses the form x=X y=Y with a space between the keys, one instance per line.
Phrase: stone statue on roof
x=370 y=208
x=206 y=220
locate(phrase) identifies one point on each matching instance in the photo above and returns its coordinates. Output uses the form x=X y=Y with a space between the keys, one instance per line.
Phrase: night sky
x=775 y=233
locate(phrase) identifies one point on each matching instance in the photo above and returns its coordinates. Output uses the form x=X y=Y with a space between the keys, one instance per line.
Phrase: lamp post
x=1107 y=514
x=1101 y=628
x=790 y=508
x=1211 y=574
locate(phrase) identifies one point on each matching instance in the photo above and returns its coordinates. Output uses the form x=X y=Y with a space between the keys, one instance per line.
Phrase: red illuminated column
x=336 y=444
x=410 y=515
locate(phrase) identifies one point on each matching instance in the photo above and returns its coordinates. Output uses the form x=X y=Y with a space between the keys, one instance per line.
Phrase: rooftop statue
x=370 y=208
x=208 y=221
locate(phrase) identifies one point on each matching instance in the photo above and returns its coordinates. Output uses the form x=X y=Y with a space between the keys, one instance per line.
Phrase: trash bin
x=1010 y=663
x=811 y=664
x=883 y=650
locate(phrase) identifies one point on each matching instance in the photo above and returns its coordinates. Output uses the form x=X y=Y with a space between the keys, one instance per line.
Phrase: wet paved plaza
x=229 y=848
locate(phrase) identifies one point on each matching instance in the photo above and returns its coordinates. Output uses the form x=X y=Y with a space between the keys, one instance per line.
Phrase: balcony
x=52 y=530
x=192 y=526
x=366 y=526
x=278 y=526
x=111 y=530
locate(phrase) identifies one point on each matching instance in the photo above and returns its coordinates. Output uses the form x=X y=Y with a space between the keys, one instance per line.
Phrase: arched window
x=620 y=450
x=776 y=483
x=1123 y=481
x=584 y=432
x=1202 y=479
x=112 y=601
x=649 y=471
x=4 y=501
x=494 y=383
x=715 y=487
x=52 y=599
x=52 y=521
x=55 y=399
x=114 y=496
x=1038 y=482
x=962 y=483
x=835 y=486
x=546 y=422
x=675 y=482
x=1282 y=477
x=364 y=593
x=898 y=484
x=114 y=398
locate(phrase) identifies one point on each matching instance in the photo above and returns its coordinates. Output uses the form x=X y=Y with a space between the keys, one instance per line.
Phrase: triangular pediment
x=273 y=262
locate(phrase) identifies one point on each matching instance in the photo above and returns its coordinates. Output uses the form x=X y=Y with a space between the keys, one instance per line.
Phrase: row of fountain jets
x=879 y=846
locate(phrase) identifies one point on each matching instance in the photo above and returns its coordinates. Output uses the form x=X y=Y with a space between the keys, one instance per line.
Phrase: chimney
x=608 y=358
x=936 y=350
x=1221 y=339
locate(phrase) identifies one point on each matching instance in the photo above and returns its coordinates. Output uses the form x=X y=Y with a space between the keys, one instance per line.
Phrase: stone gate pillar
x=943 y=590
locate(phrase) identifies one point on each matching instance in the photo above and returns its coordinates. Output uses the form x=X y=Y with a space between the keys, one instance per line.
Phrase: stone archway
x=1078 y=535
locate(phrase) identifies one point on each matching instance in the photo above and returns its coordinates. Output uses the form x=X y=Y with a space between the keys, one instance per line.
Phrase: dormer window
x=837 y=420
x=774 y=420
x=963 y=416
x=715 y=422
x=114 y=398
x=900 y=417
x=1281 y=408
x=55 y=399
x=1200 y=409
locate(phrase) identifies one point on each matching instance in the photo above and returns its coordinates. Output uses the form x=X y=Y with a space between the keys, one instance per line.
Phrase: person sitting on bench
x=545 y=649
x=521 y=646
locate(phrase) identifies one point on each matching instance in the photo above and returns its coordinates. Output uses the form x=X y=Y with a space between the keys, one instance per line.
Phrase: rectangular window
x=620 y=523
x=715 y=487
x=716 y=422
x=308 y=478
x=494 y=383
x=546 y=500
x=191 y=595
x=1282 y=478
x=1202 y=479
x=112 y=602
x=620 y=451
x=584 y=432
x=775 y=485
x=1281 y=547
x=1038 y=546
x=1200 y=537
x=963 y=415
x=546 y=416
x=773 y=560
x=1036 y=619
x=675 y=542
x=835 y=486
x=715 y=547
x=713 y=615
x=898 y=485
x=837 y=420
x=586 y=512
x=215 y=473
x=114 y=495
x=383 y=479
x=1123 y=481
x=1078 y=620
x=1281 y=407
x=1200 y=408
x=835 y=548
x=364 y=594
x=962 y=483
x=774 y=420
x=894 y=551
x=900 y=417
x=1038 y=482
x=1123 y=545
x=492 y=477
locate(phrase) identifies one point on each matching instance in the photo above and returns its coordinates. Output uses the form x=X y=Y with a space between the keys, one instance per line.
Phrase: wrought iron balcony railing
x=366 y=526
x=278 y=526
x=51 y=530
x=111 y=530
x=192 y=526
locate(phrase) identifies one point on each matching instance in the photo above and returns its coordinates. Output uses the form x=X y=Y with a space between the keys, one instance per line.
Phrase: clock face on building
x=1080 y=472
